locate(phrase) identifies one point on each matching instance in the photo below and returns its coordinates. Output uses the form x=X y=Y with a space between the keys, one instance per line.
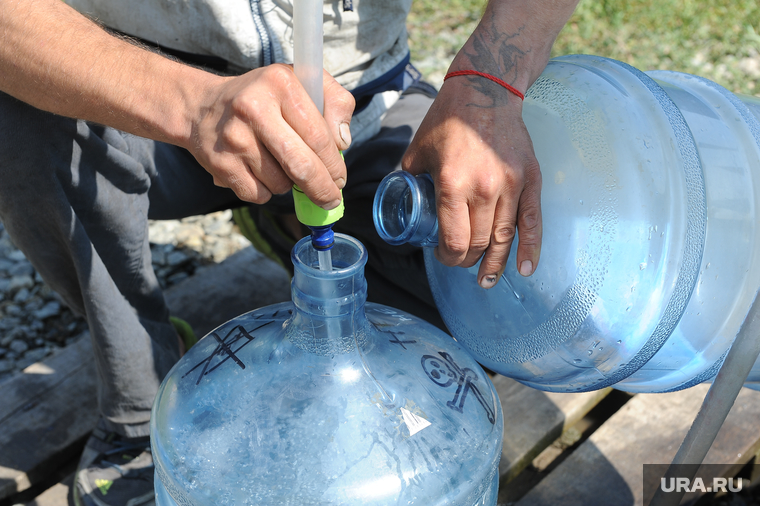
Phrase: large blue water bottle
x=326 y=400
x=651 y=252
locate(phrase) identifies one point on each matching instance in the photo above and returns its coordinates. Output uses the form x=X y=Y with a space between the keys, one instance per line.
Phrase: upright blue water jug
x=326 y=400
x=651 y=252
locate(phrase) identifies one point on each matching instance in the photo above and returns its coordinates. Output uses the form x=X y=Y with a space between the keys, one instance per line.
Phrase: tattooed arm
x=475 y=145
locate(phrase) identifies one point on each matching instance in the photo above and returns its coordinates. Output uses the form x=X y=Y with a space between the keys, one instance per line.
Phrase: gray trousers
x=76 y=197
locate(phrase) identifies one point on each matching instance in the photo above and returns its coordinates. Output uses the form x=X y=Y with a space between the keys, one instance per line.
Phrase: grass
x=717 y=39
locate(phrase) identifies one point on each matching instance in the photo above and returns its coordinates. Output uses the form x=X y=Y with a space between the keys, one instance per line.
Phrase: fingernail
x=488 y=281
x=345 y=133
x=332 y=205
x=526 y=268
x=340 y=183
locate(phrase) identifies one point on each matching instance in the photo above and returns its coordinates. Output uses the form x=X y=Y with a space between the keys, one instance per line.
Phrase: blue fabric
x=399 y=78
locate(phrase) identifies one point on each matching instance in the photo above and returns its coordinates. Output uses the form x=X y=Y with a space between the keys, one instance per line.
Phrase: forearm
x=514 y=38
x=57 y=60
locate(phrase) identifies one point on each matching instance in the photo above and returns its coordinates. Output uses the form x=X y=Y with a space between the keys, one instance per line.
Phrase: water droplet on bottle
x=590 y=352
x=577 y=361
x=619 y=341
x=581 y=202
x=628 y=308
x=642 y=266
x=707 y=266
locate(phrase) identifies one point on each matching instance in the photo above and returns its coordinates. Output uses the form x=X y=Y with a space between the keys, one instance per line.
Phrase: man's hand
x=475 y=145
x=255 y=133
x=260 y=133
x=486 y=177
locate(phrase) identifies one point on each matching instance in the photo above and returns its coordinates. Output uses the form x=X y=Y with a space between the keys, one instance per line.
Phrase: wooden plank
x=607 y=469
x=219 y=292
x=45 y=413
x=534 y=419
x=57 y=495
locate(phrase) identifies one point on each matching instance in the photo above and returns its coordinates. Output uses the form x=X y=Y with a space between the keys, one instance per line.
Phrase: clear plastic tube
x=307 y=48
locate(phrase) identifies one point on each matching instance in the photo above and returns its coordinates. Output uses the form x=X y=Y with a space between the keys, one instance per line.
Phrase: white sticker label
x=413 y=422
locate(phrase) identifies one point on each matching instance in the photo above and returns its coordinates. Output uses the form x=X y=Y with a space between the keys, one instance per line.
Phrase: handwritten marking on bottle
x=446 y=372
x=396 y=339
x=224 y=349
x=413 y=422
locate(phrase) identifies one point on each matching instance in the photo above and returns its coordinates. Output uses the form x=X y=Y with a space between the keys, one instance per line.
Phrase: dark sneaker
x=114 y=471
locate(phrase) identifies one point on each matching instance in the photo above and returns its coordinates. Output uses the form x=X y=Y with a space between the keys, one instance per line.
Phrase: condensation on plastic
x=648 y=265
x=318 y=401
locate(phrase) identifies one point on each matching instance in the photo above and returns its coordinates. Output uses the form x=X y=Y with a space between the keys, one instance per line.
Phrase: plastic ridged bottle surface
x=327 y=401
x=649 y=263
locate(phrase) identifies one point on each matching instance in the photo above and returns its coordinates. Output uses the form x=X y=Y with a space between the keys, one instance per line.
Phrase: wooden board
x=45 y=413
x=607 y=469
x=534 y=419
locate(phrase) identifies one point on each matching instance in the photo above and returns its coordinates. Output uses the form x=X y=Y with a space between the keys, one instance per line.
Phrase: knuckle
x=486 y=186
x=450 y=188
x=345 y=101
x=234 y=136
x=456 y=247
x=479 y=244
x=504 y=233
x=529 y=218
x=319 y=138
x=282 y=185
x=300 y=168
x=279 y=74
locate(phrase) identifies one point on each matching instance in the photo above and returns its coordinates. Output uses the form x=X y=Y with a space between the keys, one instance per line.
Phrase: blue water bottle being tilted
x=651 y=248
x=327 y=400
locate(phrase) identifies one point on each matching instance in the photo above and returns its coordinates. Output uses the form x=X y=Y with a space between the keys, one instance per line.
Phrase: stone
x=16 y=256
x=13 y=310
x=3 y=351
x=187 y=231
x=5 y=284
x=18 y=346
x=176 y=258
x=19 y=282
x=35 y=355
x=33 y=305
x=23 y=268
x=9 y=321
x=158 y=255
x=20 y=332
x=6 y=365
x=52 y=308
x=5 y=265
x=21 y=296
x=177 y=277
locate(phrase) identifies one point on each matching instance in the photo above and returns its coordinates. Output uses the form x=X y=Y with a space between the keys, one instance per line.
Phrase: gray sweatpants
x=76 y=198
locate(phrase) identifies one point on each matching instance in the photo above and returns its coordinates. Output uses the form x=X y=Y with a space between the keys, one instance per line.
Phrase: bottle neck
x=329 y=304
x=404 y=210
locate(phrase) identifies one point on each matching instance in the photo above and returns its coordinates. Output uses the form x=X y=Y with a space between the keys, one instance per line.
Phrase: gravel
x=34 y=321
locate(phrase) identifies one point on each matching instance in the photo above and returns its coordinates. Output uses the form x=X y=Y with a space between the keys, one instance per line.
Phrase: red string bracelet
x=487 y=76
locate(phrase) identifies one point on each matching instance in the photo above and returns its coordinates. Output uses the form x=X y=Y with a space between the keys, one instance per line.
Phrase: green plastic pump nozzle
x=319 y=221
